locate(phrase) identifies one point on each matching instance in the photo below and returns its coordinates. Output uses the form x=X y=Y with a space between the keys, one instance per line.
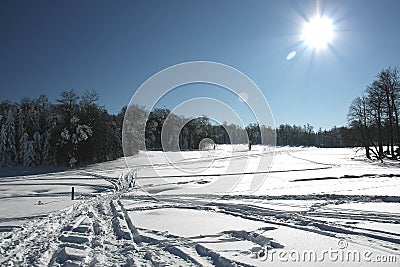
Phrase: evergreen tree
x=71 y=138
x=28 y=151
x=38 y=148
x=46 y=156
x=10 y=145
x=3 y=147
x=20 y=133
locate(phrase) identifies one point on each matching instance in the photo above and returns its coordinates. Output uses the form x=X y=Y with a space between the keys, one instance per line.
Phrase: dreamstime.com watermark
x=337 y=255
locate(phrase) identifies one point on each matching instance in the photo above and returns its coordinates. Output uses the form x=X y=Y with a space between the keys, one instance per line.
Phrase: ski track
x=93 y=232
x=97 y=231
x=303 y=220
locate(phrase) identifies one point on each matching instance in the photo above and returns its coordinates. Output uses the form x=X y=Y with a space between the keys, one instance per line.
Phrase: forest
x=76 y=130
x=375 y=116
x=36 y=132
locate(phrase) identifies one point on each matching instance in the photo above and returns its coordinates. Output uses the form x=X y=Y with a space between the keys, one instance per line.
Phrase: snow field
x=310 y=199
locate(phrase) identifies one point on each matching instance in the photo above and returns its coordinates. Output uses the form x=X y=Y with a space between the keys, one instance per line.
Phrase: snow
x=371 y=206
x=211 y=207
x=16 y=211
x=187 y=222
x=282 y=205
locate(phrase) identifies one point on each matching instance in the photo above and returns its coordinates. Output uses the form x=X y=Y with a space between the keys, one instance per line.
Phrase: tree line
x=73 y=131
x=77 y=130
x=375 y=116
x=196 y=129
x=285 y=135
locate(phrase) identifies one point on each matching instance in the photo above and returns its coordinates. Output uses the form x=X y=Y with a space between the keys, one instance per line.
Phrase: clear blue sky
x=113 y=46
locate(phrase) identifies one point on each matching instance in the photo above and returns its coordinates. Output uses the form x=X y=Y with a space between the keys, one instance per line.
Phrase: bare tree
x=357 y=118
x=387 y=81
x=376 y=106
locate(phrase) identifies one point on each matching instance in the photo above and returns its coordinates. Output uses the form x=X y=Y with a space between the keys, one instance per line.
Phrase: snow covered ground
x=223 y=207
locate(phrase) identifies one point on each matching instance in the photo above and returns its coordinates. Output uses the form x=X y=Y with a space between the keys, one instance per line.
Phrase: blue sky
x=114 y=46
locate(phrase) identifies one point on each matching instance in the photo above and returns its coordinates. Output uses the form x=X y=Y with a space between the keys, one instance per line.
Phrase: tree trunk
x=396 y=117
x=380 y=143
x=390 y=116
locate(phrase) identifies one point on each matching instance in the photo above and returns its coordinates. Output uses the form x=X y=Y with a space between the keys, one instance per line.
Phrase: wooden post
x=72 y=193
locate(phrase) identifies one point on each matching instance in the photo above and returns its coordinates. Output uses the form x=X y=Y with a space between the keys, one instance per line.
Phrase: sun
x=318 y=32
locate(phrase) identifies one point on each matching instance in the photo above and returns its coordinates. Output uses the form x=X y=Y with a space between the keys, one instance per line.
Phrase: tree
x=37 y=148
x=376 y=105
x=28 y=151
x=47 y=157
x=357 y=118
x=9 y=135
x=68 y=103
x=3 y=146
x=133 y=132
x=376 y=115
x=387 y=81
x=71 y=137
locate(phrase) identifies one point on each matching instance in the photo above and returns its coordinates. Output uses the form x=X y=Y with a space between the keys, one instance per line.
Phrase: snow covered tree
x=47 y=159
x=20 y=132
x=133 y=132
x=3 y=147
x=71 y=138
x=28 y=152
x=37 y=147
x=9 y=134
